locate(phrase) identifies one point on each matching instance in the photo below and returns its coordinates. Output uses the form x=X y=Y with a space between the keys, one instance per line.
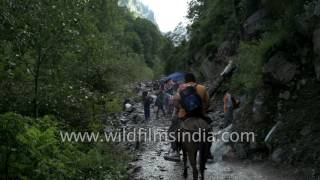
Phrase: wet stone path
x=150 y=164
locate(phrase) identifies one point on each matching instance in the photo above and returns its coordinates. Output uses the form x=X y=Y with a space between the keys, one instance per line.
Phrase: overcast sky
x=168 y=13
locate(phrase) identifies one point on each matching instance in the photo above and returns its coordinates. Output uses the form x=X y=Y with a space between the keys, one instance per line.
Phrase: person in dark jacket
x=146 y=100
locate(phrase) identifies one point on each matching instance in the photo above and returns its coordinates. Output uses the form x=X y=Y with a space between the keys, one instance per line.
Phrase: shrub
x=249 y=62
x=32 y=149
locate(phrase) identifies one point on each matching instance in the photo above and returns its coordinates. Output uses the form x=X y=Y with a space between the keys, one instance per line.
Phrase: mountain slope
x=139 y=9
x=275 y=49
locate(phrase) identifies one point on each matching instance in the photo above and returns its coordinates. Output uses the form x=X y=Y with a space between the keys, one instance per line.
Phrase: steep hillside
x=274 y=47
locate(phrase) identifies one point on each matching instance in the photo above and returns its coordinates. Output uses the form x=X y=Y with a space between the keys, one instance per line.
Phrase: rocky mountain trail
x=230 y=161
x=150 y=164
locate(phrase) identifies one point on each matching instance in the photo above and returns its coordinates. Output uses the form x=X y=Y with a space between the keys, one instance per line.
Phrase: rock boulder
x=254 y=23
x=259 y=108
x=278 y=70
x=211 y=69
x=278 y=155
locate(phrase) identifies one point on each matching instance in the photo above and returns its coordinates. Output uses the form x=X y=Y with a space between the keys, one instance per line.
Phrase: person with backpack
x=192 y=99
x=229 y=104
x=146 y=100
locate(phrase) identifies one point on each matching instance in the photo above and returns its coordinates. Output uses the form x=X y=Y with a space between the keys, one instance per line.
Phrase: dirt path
x=150 y=164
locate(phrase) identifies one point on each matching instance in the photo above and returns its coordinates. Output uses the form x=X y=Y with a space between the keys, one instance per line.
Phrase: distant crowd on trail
x=160 y=95
x=155 y=95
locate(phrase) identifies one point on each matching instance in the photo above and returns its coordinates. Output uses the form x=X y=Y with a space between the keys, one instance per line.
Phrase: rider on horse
x=182 y=112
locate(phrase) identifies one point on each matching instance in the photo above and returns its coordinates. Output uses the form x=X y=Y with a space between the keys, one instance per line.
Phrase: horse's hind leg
x=193 y=163
x=203 y=152
x=185 y=170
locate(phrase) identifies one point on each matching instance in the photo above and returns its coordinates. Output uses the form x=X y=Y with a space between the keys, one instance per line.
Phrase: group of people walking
x=162 y=99
x=166 y=99
x=182 y=101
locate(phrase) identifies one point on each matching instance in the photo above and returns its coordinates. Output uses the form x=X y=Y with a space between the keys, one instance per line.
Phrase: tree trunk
x=36 y=83
x=35 y=100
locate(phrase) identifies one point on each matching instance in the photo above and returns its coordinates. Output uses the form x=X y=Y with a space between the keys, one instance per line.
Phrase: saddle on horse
x=194 y=124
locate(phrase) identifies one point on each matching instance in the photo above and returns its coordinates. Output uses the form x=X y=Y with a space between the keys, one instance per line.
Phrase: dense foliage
x=32 y=149
x=58 y=55
x=71 y=60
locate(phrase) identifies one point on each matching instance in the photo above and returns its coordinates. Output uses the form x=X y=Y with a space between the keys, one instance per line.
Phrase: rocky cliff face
x=139 y=9
x=284 y=113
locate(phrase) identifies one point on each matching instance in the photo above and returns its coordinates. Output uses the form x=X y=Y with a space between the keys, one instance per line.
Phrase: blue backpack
x=191 y=100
